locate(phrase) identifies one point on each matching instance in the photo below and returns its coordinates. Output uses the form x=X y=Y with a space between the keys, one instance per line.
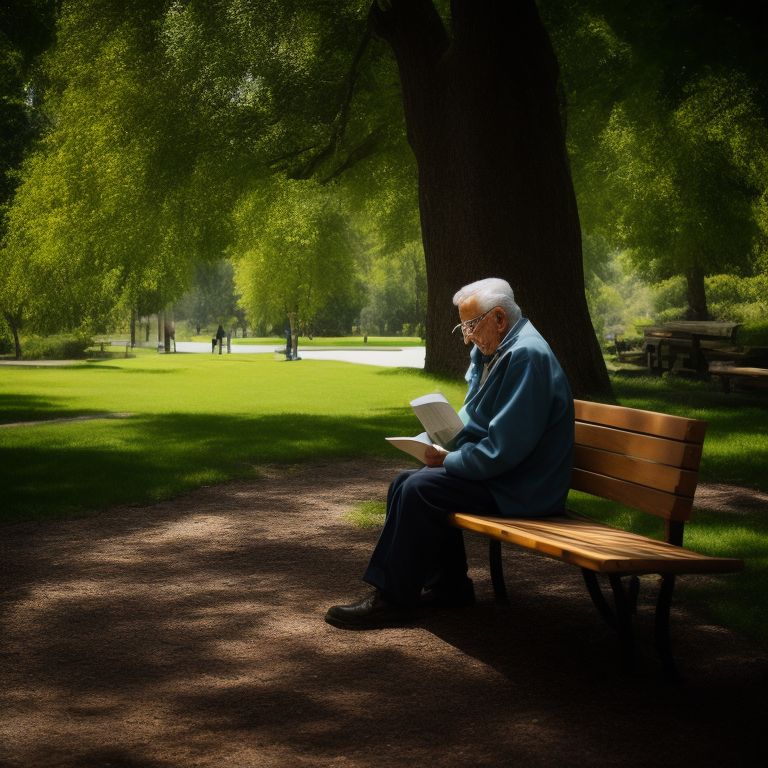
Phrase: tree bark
x=696 y=295
x=14 y=324
x=294 y=328
x=495 y=192
x=167 y=329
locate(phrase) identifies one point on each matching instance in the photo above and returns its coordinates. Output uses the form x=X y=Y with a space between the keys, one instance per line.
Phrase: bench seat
x=728 y=373
x=589 y=544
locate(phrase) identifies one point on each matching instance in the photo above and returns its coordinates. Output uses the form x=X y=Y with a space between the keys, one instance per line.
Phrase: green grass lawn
x=202 y=419
x=196 y=419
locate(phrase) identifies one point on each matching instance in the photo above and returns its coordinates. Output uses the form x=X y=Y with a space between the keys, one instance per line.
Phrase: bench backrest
x=643 y=459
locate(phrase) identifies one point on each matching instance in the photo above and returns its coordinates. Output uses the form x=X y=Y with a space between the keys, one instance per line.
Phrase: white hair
x=491 y=292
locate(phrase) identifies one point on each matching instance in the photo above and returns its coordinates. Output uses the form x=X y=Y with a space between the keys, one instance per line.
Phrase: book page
x=438 y=418
x=415 y=446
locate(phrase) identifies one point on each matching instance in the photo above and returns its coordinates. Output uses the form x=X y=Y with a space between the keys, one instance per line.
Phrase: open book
x=440 y=421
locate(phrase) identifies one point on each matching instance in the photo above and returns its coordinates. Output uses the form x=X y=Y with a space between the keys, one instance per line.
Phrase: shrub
x=669 y=301
x=54 y=347
x=743 y=299
x=754 y=334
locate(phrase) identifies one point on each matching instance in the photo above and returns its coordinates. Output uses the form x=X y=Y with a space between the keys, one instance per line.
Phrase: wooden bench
x=728 y=373
x=104 y=343
x=626 y=353
x=644 y=460
x=683 y=342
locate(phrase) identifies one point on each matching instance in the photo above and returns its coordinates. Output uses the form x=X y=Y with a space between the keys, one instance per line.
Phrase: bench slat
x=671 y=452
x=736 y=370
x=658 y=476
x=649 y=500
x=636 y=420
x=597 y=547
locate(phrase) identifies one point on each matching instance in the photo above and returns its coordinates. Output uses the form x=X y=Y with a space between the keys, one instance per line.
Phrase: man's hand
x=434 y=455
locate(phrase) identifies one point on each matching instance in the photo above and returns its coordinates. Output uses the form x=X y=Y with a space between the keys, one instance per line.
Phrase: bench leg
x=598 y=598
x=620 y=615
x=497 y=571
x=661 y=626
x=622 y=600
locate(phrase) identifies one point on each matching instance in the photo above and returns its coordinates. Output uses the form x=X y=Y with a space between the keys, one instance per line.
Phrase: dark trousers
x=417 y=546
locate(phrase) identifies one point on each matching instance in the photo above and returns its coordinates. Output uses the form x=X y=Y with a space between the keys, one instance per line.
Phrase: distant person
x=512 y=458
x=288 y=343
x=220 y=334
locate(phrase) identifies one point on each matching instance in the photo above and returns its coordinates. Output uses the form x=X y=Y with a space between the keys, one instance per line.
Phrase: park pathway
x=390 y=357
x=398 y=357
x=189 y=633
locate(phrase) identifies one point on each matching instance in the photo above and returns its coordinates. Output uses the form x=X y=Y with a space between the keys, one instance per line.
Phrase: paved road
x=405 y=357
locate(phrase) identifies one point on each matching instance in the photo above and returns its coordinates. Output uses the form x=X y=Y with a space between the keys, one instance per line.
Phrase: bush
x=54 y=347
x=754 y=334
x=742 y=299
x=669 y=301
x=729 y=298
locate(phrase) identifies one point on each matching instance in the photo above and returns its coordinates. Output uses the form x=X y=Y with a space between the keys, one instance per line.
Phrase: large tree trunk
x=495 y=191
x=696 y=295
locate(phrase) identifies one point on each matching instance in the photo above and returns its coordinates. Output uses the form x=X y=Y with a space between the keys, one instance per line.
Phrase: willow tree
x=116 y=203
x=667 y=116
x=26 y=31
x=687 y=199
x=291 y=252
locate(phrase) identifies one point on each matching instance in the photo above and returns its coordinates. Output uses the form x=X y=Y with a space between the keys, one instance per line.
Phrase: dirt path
x=190 y=633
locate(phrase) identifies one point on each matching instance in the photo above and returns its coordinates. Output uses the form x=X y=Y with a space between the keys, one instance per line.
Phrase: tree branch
x=342 y=118
x=364 y=149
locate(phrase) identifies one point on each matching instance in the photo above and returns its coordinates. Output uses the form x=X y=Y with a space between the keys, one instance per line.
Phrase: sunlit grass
x=196 y=419
x=202 y=419
x=367 y=514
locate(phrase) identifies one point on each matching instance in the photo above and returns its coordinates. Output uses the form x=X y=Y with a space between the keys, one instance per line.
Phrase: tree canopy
x=667 y=130
x=322 y=145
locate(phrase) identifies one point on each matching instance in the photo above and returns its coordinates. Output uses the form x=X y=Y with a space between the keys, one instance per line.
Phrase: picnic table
x=682 y=341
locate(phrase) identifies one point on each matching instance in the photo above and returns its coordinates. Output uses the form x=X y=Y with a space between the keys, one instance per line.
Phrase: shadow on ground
x=190 y=633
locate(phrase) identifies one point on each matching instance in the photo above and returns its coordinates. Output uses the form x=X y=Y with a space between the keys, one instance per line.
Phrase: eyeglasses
x=468 y=326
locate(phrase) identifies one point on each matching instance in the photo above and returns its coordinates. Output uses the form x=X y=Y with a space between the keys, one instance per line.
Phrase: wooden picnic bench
x=684 y=341
x=728 y=373
x=644 y=460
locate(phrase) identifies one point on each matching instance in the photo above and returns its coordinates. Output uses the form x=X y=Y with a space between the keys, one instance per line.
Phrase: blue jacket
x=518 y=426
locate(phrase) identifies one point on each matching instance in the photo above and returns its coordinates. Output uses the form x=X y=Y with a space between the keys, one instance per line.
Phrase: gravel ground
x=190 y=633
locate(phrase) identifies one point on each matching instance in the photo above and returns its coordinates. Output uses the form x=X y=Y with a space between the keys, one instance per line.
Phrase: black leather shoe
x=372 y=612
x=453 y=597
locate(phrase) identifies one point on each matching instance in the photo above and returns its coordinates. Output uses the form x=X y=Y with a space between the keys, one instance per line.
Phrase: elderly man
x=512 y=458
